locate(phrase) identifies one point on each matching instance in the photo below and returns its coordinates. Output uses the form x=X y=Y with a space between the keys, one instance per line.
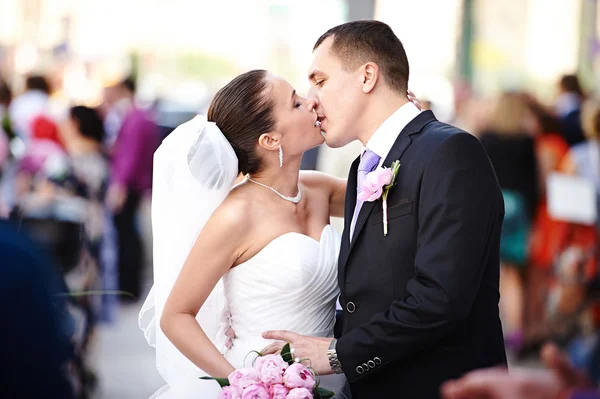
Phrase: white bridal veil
x=194 y=170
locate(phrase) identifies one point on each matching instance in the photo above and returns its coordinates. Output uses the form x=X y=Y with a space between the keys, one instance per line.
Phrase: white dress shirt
x=385 y=136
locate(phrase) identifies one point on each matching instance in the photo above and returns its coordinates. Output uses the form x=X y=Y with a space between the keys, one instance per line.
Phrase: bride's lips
x=319 y=121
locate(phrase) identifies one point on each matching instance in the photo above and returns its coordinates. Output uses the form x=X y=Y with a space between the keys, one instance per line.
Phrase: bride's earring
x=280 y=157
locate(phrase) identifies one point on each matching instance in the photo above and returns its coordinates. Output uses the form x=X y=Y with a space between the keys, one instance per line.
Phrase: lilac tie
x=368 y=163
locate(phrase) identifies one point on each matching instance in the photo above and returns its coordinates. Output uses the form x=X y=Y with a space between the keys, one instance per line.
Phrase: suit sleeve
x=460 y=204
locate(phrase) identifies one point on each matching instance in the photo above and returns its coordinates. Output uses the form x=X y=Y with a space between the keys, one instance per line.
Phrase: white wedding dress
x=291 y=284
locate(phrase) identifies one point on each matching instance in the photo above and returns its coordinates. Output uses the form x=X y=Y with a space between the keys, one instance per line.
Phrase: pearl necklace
x=294 y=200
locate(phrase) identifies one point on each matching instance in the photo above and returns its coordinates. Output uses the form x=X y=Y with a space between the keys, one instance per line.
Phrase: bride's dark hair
x=243 y=110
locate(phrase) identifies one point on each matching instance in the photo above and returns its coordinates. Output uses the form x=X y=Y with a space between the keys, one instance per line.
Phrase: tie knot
x=368 y=161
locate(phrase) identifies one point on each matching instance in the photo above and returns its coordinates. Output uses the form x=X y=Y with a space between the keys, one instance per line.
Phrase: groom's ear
x=370 y=76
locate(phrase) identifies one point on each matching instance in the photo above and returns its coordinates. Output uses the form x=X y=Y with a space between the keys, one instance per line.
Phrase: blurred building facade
x=187 y=48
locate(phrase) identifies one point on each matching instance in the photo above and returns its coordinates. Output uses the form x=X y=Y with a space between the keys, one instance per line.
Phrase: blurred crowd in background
x=77 y=137
x=75 y=186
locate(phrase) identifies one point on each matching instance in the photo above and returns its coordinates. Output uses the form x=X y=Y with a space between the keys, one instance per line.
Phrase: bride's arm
x=334 y=187
x=213 y=254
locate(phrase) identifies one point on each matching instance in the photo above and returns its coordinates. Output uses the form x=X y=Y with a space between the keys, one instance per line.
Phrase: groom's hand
x=305 y=348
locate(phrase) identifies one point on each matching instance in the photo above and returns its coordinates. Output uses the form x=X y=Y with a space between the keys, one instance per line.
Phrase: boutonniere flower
x=378 y=185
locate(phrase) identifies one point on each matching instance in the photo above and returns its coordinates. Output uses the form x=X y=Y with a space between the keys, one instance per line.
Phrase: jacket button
x=377 y=360
x=360 y=370
x=350 y=307
x=365 y=366
x=371 y=364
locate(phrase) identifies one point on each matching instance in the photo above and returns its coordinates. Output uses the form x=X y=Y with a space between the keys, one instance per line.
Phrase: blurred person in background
x=5 y=128
x=83 y=134
x=55 y=214
x=6 y=134
x=118 y=101
x=63 y=179
x=5 y=100
x=512 y=152
x=546 y=234
x=130 y=180
x=4 y=150
x=35 y=101
x=584 y=158
x=36 y=351
x=568 y=107
x=577 y=270
x=44 y=144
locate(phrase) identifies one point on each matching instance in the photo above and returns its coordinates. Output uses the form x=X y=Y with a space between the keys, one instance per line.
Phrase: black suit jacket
x=421 y=304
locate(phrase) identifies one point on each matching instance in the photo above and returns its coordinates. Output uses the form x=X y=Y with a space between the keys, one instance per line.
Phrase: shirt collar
x=385 y=136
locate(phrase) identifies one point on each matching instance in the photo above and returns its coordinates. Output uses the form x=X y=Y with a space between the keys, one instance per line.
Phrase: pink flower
x=299 y=393
x=243 y=378
x=298 y=376
x=278 y=391
x=374 y=183
x=256 y=391
x=271 y=368
x=229 y=392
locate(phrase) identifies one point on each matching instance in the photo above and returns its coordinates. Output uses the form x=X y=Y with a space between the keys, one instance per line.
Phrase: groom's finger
x=286 y=336
x=272 y=349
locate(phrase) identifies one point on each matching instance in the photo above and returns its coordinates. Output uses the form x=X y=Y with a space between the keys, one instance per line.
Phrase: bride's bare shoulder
x=235 y=210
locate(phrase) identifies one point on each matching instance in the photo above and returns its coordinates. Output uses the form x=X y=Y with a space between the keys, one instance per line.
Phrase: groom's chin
x=330 y=142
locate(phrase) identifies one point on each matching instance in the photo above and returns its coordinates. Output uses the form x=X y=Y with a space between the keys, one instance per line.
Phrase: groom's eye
x=319 y=83
x=298 y=104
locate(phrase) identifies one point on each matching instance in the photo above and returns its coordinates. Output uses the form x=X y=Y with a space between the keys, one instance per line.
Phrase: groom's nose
x=313 y=101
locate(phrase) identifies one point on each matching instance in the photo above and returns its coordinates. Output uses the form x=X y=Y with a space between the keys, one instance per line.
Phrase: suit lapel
x=400 y=145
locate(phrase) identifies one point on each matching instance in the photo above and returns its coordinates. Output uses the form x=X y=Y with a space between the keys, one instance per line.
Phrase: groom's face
x=338 y=95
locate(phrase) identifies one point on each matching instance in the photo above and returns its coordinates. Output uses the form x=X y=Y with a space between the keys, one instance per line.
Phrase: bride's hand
x=303 y=347
x=413 y=99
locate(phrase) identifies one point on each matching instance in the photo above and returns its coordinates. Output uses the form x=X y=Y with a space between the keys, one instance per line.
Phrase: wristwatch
x=334 y=362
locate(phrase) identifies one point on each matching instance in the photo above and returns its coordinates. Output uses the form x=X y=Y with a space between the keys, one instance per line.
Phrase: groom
x=420 y=303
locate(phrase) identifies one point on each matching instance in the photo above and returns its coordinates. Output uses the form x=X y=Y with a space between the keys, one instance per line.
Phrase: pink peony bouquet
x=272 y=377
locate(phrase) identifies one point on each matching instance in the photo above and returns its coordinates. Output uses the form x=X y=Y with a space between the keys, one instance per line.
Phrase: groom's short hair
x=359 y=42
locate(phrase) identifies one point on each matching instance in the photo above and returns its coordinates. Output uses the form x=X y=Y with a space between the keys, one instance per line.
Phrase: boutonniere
x=378 y=185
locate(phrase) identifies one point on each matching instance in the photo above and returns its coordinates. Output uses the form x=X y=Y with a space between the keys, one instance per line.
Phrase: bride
x=253 y=257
